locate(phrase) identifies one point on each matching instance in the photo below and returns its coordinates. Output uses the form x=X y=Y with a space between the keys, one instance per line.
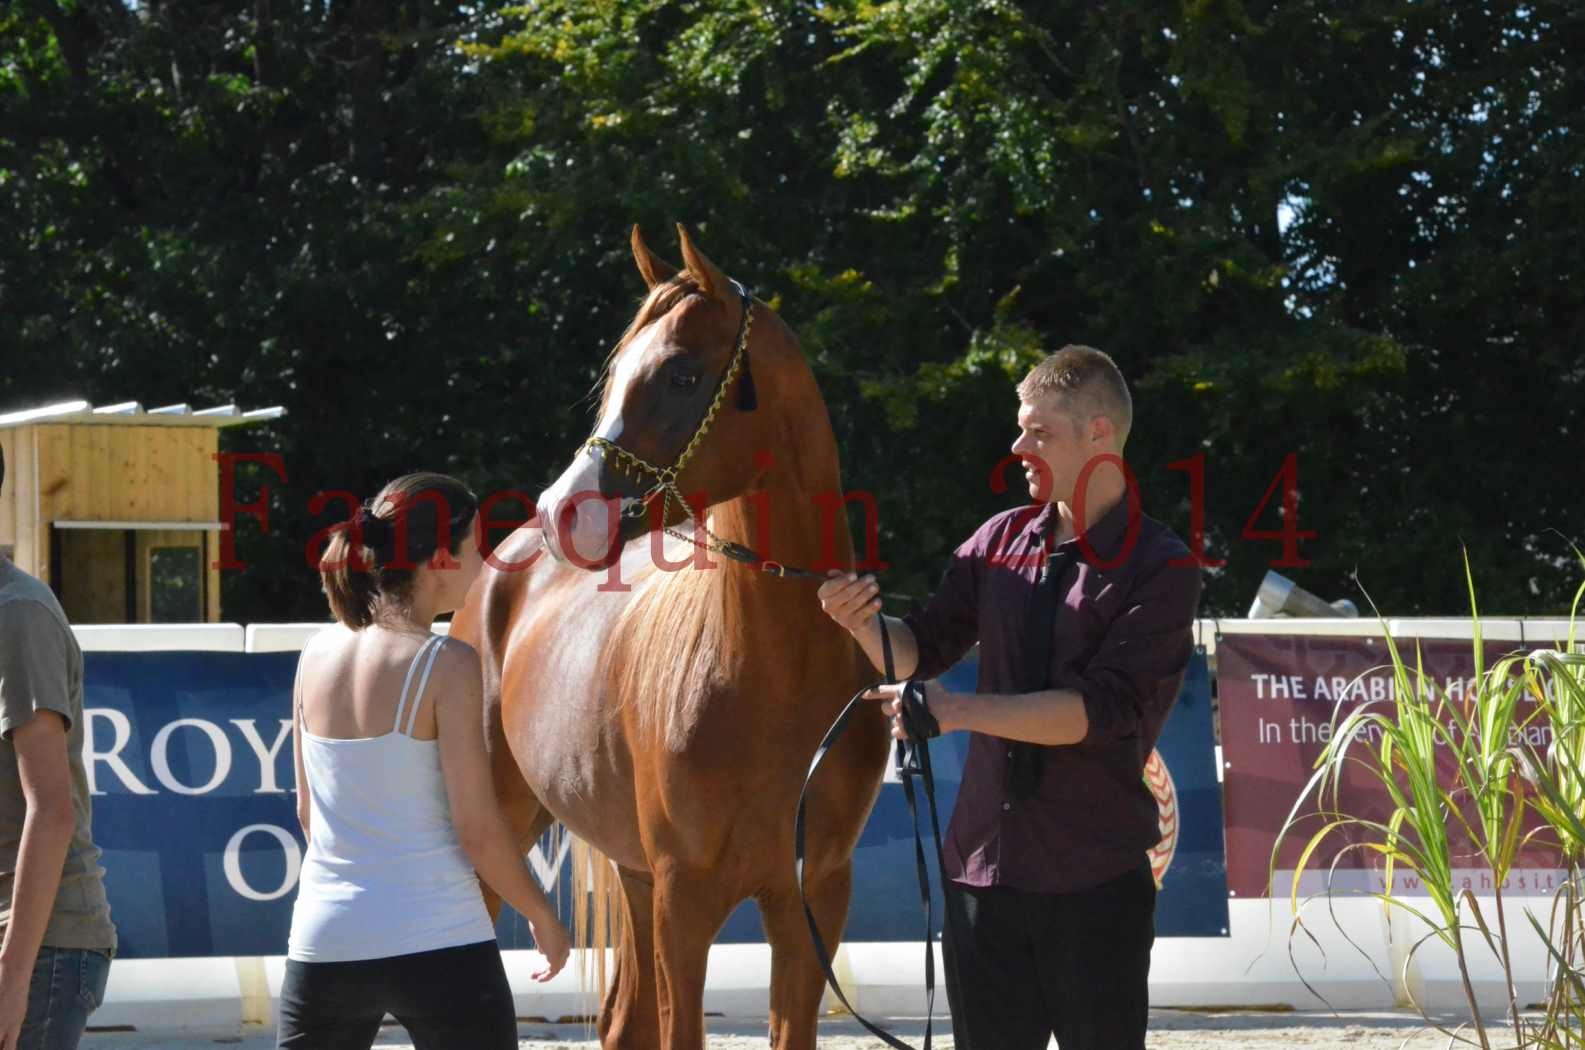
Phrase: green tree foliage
x=1344 y=232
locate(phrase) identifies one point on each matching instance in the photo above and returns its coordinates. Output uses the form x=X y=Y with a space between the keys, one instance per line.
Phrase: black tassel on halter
x=747 y=398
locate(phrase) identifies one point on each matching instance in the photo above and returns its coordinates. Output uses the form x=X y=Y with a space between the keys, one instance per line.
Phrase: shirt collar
x=1104 y=536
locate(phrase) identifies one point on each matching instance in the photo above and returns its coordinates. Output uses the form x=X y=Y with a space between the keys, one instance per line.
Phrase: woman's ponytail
x=361 y=565
x=347 y=573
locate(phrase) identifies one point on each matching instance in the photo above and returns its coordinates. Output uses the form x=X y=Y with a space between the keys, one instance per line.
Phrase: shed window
x=176 y=588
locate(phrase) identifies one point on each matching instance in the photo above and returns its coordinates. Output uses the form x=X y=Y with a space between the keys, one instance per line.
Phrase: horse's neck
x=797 y=518
x=807 y=529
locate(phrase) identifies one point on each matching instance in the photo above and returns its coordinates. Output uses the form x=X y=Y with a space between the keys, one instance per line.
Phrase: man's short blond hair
x=1087 y=383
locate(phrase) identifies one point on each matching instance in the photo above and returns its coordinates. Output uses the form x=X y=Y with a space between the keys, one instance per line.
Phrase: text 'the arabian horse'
x=664 y=702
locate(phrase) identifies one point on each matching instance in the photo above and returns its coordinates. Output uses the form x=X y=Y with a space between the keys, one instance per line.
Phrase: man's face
x=1052 y=447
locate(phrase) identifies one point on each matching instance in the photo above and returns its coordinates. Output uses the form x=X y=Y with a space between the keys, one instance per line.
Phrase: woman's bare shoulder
x=458 y=657
x=329 y=636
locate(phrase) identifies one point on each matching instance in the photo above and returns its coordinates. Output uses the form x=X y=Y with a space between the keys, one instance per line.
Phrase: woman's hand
x=551 y=937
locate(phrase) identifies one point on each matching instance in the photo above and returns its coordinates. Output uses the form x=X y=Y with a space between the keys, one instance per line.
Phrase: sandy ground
x=1169 y=1030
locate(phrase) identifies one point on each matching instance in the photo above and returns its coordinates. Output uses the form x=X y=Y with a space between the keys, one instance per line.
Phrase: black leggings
x=447 y=998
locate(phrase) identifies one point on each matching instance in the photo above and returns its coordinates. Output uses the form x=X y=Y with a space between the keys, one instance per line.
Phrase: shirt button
x=1009 y=754
x=1006 y=806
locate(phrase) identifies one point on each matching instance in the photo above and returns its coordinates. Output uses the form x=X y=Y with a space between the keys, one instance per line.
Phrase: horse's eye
x=684 y=380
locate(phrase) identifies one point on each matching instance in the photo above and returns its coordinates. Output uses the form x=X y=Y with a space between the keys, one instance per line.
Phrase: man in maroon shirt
x=1051 y=901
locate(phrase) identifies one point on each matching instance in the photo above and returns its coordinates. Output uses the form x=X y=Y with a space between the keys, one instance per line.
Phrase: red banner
x=1280 y=696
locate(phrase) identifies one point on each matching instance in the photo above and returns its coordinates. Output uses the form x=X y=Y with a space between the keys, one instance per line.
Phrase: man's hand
x=850 y=600
x=854 y=602
x=940 y=702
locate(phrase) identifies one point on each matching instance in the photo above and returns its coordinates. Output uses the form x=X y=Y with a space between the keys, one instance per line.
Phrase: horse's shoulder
x=512 y=565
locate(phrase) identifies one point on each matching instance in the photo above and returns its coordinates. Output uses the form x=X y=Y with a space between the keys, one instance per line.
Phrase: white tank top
x=384 y=874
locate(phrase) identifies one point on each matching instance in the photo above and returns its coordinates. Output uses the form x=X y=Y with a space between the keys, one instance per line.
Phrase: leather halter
x=625 y=462
x=666 y=487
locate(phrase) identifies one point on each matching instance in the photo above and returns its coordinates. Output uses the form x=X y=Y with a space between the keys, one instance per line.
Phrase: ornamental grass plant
x=1474 y=776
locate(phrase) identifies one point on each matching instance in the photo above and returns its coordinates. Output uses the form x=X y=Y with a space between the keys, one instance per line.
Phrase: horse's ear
x=651 y=267
x=706 y=274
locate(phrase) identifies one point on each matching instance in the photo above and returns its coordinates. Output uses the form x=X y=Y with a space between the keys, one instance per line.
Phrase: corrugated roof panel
x=125 y=412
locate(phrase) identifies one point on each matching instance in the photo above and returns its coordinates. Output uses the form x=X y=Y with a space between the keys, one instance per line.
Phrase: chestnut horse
x=667 y=716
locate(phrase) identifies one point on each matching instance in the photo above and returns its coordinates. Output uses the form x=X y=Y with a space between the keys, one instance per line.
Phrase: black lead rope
x=912 y=758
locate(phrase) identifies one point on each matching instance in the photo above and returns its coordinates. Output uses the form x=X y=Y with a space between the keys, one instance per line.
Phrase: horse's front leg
x=796 y=980
x=688 y=913
x=630 y=1018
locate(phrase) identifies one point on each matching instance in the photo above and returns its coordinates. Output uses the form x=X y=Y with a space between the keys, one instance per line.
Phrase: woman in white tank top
x=394 y=794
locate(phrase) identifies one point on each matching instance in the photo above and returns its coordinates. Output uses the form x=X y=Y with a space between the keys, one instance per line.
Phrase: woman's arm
x=481 y=828
x=303 y=806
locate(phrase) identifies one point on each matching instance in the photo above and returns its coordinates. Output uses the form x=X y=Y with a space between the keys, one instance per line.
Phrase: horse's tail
x=599 y=914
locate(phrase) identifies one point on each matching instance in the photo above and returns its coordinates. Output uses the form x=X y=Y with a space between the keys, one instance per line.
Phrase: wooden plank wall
x=115 y=472
x=8 y=489
x=94 y=564
x=110 y=472
x=212 y=577
x=29 y=552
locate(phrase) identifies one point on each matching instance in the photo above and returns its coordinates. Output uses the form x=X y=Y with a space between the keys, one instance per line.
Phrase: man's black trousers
x=1032 y=965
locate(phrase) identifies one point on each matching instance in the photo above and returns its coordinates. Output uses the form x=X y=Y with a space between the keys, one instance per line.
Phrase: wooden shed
x=117 y=508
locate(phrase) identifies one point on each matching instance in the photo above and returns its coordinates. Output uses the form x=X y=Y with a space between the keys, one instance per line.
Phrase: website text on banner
x=189 y=758
x=1278 y=696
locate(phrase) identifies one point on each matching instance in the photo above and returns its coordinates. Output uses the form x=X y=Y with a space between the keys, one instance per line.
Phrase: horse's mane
x=679 y=628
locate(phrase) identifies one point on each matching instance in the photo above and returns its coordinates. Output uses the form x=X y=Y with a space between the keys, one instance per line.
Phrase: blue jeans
x=68 y=984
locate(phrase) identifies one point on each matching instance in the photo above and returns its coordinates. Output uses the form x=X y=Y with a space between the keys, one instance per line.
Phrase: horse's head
x=681 y=412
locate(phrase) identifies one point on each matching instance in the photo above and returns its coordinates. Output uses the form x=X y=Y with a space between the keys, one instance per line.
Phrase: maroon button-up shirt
x=1123 y=633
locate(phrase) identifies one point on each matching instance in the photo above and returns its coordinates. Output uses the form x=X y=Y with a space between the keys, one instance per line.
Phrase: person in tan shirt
x=57 y=935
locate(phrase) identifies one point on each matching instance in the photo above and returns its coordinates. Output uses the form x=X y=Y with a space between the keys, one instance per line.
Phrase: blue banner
x=1193 y=899
x=189 y=758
